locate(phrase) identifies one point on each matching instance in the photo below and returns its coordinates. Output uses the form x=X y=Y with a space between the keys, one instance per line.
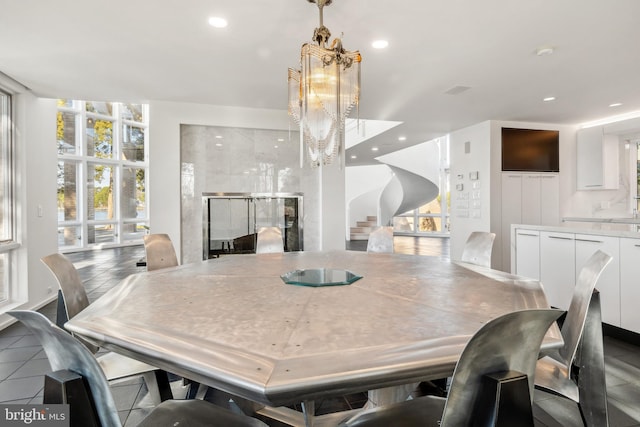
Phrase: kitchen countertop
x=580 y=230
x=603 y=220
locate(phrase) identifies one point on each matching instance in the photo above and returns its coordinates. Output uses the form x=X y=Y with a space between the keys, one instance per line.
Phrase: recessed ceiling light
x=354 y=157
x=402 y=138
x=218 y=22
x=380 y=44
x=218 y=144
x=275 y=146
x=280 y=139
x=544 y=50
x=615 y=104
x=549 y=99
x=374 y=149
x=218 y=136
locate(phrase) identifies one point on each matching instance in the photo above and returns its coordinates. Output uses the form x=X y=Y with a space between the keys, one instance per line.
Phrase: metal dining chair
x=159 y=251
x=576 y=371
x=492 y=383
x=72 y=299
x=381 y=240
x=269 y=240
x=477 y=250
x=73 y=365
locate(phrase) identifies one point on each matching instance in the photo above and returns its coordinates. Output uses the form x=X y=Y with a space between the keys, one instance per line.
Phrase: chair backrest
x=573 y=325
x=381 y=240
x=477 y=250
x=269 y=240
x=74 y=296
x=69 y=282
x=159 y=251
x=67 y=353
x=508 y=343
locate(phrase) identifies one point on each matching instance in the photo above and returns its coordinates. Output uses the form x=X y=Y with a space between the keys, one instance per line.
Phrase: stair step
x=365 y=224
x=363 y=228
x=359 y=236
x=360 y=230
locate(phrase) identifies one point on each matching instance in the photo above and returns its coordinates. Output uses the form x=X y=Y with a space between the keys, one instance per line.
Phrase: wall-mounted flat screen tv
x=530 y=150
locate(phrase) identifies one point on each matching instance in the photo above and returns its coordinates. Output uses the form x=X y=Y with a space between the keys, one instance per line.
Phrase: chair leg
x=591 y=374
x=309 y=412
x=61 y=311
x=158 y=385
x=194 y=386
x=66 y=387
x=505 y=400
x=164 y=387
x=389 y=395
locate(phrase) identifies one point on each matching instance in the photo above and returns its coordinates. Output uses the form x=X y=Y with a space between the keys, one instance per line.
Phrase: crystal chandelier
x=322 y=93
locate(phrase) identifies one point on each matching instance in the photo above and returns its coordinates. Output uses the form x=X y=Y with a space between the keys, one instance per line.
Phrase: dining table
x=296 y=327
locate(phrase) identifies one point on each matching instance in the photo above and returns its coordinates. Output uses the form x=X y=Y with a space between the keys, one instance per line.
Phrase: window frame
x=9 y=244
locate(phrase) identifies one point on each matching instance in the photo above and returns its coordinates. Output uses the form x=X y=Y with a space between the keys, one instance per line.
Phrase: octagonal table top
x=233 y=324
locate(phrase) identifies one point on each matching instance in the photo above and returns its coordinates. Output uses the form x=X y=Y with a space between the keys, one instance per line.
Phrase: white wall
x=165 y=119
x=477 y=158
x=362 y=180
x=35 y=149
x=485 y=157
x=421 y=159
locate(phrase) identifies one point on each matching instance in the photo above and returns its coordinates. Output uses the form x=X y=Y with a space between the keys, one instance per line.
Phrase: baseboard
x=6 y=320
x=621 y=334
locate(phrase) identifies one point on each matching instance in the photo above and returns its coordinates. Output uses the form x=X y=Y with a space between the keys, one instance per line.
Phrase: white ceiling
x=142 y=50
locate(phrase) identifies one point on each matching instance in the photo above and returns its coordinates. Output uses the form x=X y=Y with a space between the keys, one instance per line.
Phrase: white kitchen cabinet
x=609 y=282
x=562 y=255
x=549 y=199
x=630 y=284
x=527 y=253
x=511 y=213
x=597 y=161
x=557 y=272
x=531 y=204
x=527 y=198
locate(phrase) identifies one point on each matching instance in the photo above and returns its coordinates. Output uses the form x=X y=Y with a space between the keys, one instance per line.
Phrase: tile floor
x=23 y=363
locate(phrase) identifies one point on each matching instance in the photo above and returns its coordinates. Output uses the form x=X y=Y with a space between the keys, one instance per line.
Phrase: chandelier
x=322 y=93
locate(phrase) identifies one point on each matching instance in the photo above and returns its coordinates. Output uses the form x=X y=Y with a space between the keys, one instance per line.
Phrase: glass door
x=228 y=219
x=231 y=221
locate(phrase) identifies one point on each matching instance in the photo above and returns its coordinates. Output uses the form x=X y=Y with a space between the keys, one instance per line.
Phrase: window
x=102 y=173
x=7 y=235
